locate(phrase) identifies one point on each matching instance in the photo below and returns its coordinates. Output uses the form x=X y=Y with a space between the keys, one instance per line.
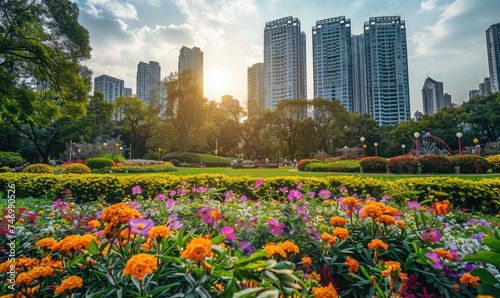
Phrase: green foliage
x=183 y=157
x=438 y=164
x=373 y=164
x=10 y=159
x=301 y=164
x=167 y=167
x=99 y=163
x=494 y=162
x=471 y=164
x=76 y=168
x=39 y=168
x=404 y=164
x=175 y=162
x=112 y=156
x=208 y=158
x=340 y=166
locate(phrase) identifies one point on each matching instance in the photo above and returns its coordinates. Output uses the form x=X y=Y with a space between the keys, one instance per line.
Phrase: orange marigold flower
x=468 y=280
x=141 y=264
x=444 y=254
x=68 y=284
x=328 y=238
x=401 y=224
x=372 y=209
x=47 y=261
x=351 y=202
x=25 y=278
x=484 y=296
x=289 y=246
x=27 y=262
x=389 y=210
x=118 y=214
x=393 y=265
x=337 y=221
x=94 y=224
x=325 y=292
x=68 y=243
x=341 y=233
x=377 y=244
x=307 y=261
x=442 y=207
x=216 y=215
x=159 y=232
x=148 y=245
x=84 y=241
x=352 y=264
x=5 y=266
x=7 y=296
x=48 y=243
x=386 y=219
x=315 y=276
x=386 y=272
x=198 y=249
x=272 y=249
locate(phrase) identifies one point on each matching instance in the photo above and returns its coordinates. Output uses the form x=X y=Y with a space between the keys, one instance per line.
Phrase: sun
x=216 y=82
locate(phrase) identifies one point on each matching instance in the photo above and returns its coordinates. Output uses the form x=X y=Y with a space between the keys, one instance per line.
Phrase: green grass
x=212 y=158
x=289 y=171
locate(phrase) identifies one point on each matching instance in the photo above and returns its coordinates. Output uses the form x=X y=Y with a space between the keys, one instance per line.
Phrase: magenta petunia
x=228 y=232
x=325 y=194
x=141 y=226
x=136 y=190
x=259 y=182
x=434 y=260
x=294 y=195
x=276 y=226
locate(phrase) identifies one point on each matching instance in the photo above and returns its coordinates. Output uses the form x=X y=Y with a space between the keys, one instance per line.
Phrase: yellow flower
x=41 y=213
x=141 y=264
x=68 y=284
x=325 y=292
x=198 y=249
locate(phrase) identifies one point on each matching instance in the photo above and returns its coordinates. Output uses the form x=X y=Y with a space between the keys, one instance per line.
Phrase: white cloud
x=428 y=5
x=92 y=10
x=118 y=9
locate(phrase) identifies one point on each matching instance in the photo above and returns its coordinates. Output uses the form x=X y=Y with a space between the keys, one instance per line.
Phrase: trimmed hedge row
x=484 y=195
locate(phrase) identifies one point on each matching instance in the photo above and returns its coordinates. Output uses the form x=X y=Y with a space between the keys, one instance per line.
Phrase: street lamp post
x=117 y=145
x=477 y=149
x=459 y=136
x=159 y=154
x=416 y=135
x=362 y=139
x=403 y=146
x=376 y=151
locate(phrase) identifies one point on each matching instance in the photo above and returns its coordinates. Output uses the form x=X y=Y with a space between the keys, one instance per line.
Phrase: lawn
x=291 y=171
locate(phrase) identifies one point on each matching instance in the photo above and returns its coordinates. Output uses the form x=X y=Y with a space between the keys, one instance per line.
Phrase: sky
x=446 y=38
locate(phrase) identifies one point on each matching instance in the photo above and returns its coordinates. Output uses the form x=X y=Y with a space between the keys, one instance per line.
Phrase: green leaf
x=484 y=256
x=76 y=260
x=269 y=294
x=485 y=230
x=485 y=276
x=253 y=257
x=271 y=275
x=492 y=243
x=93 y=247
x=247 y=292
x=485 y=289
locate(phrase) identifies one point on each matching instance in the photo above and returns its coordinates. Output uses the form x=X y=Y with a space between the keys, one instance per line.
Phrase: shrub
x=99 y=163
x=301 y=165
x=494 y=162
x=341 y=166
x=183 y=157
x=403 y=164
x=4 y=169
x=373 y=164
x=76 y=168
x=471 y=164
x=175 y=162
x=10 y=159
x=439 y=164
x=74 y=161
x=39 y=168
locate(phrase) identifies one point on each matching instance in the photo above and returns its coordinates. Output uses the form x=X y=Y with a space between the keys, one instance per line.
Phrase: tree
x=185 y=110
x=482 y=114
x=330 y=119
x=41 y=78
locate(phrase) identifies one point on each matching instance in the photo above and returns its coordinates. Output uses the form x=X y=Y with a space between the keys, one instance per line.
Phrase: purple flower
x=228 y=232
x=312 y=194
x=343 y=189
x=160 y=197
x=136 y=190
x=60 y=205
x=172 y=193
x=276 y=227
x=134 y=205
x=414 y=205
x=141 y=226
x=244 y=199
x=479 y=236
x=434 y=260
x=207 y=217
x=228 y=195
x=259 y=182
x=175 y=225
x=294 y=195
x=181 y=192
x=469 y=267
x=252 y=221
x=283 y=189
x=325 y=194
x=431 y=236
x=246 y=247
x=299 y=186
x=201 y=189
x=170 y=203
x=314 y=232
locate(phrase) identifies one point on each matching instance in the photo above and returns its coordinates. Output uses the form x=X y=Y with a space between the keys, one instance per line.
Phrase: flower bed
x=196 y=240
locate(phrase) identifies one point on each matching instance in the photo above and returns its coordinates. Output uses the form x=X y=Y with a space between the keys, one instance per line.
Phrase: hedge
x=482 y=195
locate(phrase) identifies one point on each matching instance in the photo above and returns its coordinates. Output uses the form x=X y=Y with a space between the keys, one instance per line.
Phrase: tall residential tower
x=192 y=60
x=493 y=46
x=109 y=86
x=433 y=97
x=387 y=70
x=148 y=80
x=359 y=92
x=256 y=93
x=332 y=60
x=285 y=61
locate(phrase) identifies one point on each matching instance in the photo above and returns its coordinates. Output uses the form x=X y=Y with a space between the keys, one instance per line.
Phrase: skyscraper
x=256 y=93
x=359 y=92
x=485 y=86
x=433 y=96
x=109 y=86
x=332 y=60
x=493 y=46
x=148 y=80
x=192 y=60
x=387 y=70
x=285 y=61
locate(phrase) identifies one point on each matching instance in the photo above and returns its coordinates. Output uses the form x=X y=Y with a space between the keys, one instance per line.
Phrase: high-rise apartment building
x=256 y=92
x=485 y=86
x=473 y=93
x=433 y=96
x=387 y=70
x=332 y=60
x=285 y=61
x=148 y=80
x=192 y=60
x=109 y=86
x=359 y=92
x=493 y=46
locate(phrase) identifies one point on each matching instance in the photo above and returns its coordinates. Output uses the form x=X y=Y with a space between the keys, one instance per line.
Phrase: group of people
x=267 y=161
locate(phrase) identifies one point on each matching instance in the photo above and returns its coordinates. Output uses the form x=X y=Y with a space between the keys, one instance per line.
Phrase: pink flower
x=228 y=232
x=259 y=182
x=431 y=236
x=276 y=227
x=136 y=190
x=325 y=194
x=294 y=195
x=141 y=226
x=244 y=199
x=434 y=260
x=160 y=197
x=59 y=204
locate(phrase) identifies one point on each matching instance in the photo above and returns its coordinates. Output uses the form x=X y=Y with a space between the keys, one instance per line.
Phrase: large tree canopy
x=41 y=46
